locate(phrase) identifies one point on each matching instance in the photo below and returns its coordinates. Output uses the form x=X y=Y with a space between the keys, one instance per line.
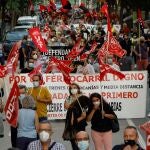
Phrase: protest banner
x=124 y=96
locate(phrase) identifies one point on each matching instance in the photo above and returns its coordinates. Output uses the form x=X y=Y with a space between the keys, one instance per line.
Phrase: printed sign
x=124 y=96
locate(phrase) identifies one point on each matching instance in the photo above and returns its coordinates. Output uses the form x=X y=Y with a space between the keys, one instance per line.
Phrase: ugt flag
x=12 y=106
x=37 y=39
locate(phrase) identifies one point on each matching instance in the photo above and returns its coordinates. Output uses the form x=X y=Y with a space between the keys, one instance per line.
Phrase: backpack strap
x=52 y=145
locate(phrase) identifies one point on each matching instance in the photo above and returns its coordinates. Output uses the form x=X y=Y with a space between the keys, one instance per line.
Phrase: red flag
x=12 y=59
x=105 y=68
x=63 y=68
x=37 y=39
x=3 y=71
x=93 y=47
x=104 y=10
x=146 y=127
x=64 y=2
x=75 y=51
x=115 y=48
x=52 y=5
x=111 y=47
x=83 y=56
x=51 y=63
x=64 y=10
x=12 y=106
x=42 y=8
x=49 y=66
x=37 y=70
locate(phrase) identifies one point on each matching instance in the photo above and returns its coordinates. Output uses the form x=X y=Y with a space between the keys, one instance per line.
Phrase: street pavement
x=58 y=126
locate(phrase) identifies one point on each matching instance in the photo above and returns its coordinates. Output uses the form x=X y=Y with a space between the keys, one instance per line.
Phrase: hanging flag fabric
x=146 y=128
x=105 y=69
x=42 y=8
x=75 y=51
x=93 y=47
x=3 y=71
x=12 y=60
x=111 y=47
x=104 y=10
x=66 y=4
x=37 y=39
x=52 y=5
x=51 y=63
x=65 y=70
x=115 y=48
x=86 y=54
x=12 y=106
x=37 y=70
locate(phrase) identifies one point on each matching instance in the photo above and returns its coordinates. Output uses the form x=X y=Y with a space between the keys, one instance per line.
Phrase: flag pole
x=139 y=42
x=79 y=103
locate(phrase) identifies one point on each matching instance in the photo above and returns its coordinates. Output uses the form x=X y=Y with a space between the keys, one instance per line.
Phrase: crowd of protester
x=34 y=132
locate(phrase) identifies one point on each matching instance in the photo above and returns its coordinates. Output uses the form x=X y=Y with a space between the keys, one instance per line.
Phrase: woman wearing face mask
x=76 y=119
x=100 y=115
x=74 y=91
x=27 y=123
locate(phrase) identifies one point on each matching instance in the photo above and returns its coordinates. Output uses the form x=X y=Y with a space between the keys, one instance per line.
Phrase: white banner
x=127 y=97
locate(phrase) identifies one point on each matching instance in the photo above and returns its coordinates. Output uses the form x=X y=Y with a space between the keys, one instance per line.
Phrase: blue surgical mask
x=83 y=145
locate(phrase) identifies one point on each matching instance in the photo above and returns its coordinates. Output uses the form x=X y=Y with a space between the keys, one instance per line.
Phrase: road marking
x=140 y=140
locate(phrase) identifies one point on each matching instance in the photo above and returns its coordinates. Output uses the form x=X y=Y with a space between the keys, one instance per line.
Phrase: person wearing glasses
x=82 y=140
x=45 y=142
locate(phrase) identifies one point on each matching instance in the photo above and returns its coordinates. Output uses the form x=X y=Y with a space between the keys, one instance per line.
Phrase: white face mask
x=22 y=96
x=109 y=61
x=74 y=91
x=35 y=56
x=83 y=145
x=31 y=65
x=35 y=83
x=96 y=103
x=44 y=136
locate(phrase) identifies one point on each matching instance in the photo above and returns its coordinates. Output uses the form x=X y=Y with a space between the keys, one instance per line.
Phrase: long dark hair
x=83 y=100
x=98 y=96
x=78 y=87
